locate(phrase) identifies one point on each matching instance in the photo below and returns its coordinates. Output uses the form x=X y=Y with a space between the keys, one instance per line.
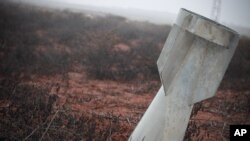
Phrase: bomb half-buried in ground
x=191 y=66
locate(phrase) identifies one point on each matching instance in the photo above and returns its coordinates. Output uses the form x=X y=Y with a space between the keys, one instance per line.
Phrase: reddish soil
x=96 y=96
x=125 y=102
x=213 y=116
x=109 y=100
x=56 y=72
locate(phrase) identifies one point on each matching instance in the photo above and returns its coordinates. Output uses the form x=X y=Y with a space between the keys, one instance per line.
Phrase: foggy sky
x=234 y=12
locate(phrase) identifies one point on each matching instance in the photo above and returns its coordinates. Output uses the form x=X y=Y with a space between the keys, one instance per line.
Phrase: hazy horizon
x=161 y=11
x=228 y=15
x=232 y=12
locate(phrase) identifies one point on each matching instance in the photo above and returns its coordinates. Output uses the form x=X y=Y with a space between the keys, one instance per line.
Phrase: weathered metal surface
x=191 y=66
x=193 y=33
x=205 y=28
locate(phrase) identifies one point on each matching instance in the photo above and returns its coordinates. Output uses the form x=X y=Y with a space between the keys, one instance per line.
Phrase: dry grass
x=64 y=76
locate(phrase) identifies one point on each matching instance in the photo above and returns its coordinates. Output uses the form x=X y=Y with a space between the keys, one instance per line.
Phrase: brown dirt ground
x=107 y=99
x=127 y=101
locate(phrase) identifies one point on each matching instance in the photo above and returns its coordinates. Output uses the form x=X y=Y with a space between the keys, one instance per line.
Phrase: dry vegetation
x=68 y=76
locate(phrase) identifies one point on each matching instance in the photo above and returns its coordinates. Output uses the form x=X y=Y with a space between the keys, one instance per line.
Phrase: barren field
x=68 y=76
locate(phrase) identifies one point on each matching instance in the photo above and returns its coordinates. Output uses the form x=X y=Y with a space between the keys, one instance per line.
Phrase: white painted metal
x=191 y=65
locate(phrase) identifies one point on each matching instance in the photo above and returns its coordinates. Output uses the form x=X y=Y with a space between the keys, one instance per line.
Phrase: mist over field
x=234 y=15
x=82 y=74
